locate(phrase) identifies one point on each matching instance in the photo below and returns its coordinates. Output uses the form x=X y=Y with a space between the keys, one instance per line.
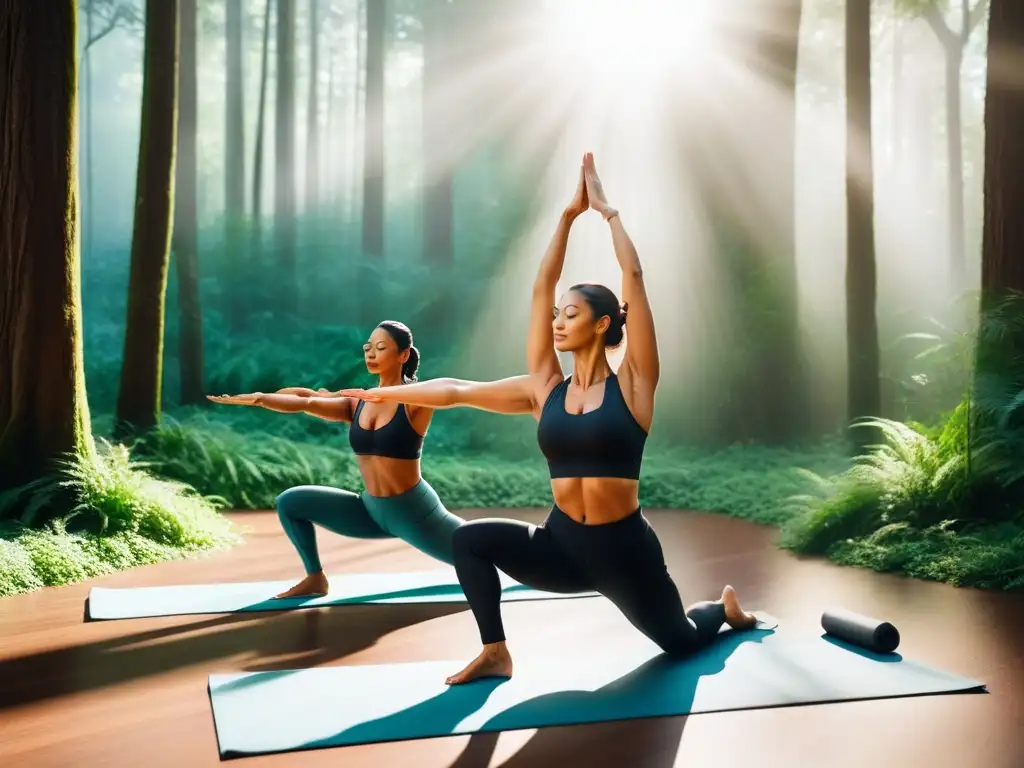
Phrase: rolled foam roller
x=863 y=631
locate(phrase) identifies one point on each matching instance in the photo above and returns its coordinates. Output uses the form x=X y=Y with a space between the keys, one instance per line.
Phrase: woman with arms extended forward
x=387 y=441
x=592 y=428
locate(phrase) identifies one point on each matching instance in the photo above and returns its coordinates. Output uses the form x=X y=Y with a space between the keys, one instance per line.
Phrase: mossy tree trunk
x=186 y=250
x=44 y=414
x=862 y=353
x=138 y=400
x=234 y=162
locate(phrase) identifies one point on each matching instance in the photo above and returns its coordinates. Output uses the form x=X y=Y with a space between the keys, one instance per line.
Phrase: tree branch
x=111 y=26
x=932 y=15
x=973 y=17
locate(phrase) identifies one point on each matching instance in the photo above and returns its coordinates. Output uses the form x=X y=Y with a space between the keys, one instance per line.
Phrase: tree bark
x=186 y=251
x=44 y=414
x=234 y=162
x=1002 y=265
x=438 y=44
x=138 y=401
x=284 y=157
x=256 y=246
x=864 y=390
x=90 y=200
x=373 y=130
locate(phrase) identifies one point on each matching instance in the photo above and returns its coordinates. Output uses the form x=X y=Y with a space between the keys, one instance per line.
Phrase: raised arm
x=541 y=359
x=514 y=395
x=641 y=343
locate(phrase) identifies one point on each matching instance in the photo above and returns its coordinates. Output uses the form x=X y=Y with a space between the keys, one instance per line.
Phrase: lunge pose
x=592 y=428
x=387 y=440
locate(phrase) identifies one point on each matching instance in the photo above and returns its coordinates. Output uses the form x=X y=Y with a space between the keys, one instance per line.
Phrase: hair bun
x=624 y=309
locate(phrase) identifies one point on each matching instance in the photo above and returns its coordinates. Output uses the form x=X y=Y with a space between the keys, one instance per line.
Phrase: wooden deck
x=133 y=693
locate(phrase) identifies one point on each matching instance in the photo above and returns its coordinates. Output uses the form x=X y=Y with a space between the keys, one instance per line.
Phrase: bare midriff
x=384 y=477
x=596 y=500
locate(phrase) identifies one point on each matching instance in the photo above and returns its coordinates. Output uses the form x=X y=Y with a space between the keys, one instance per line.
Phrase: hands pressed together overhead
x=589 y=192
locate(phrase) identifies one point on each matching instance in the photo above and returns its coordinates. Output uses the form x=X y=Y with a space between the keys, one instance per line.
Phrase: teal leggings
x=416 y=516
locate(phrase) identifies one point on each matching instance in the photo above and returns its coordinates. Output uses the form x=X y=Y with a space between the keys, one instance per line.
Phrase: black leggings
x=621 y=560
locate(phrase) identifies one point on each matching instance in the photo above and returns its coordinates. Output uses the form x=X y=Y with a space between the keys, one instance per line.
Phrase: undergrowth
x=944 y=502
x=98 y=515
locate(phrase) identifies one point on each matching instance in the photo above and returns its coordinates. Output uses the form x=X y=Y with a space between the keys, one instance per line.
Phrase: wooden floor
x=133 y=693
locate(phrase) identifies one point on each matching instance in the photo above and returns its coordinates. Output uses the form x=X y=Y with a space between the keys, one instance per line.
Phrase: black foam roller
x=864 y=631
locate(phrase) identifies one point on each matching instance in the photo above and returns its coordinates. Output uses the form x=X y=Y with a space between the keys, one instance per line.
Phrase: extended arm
x=326 y=408
x=514 y=395
x=540 y=346
x=300 y=391
x=641 y=344
x=541 y=359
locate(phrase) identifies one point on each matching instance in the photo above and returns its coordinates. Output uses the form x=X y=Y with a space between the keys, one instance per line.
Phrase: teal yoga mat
x=273 y=712
x=434 y=586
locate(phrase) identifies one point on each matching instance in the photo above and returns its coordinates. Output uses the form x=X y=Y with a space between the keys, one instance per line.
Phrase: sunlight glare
x=608 y=39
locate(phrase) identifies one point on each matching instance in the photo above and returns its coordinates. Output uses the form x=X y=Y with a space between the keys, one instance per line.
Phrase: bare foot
x=494 y=661
x=735 y=616
x=311 y=586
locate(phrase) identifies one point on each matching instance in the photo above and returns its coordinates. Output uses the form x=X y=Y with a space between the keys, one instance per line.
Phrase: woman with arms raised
x=592 y=428
x=387 y=440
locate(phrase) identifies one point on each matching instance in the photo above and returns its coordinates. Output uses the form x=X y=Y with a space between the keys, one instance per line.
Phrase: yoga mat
x=435 y=586
x=864 y=631
x=284 y=711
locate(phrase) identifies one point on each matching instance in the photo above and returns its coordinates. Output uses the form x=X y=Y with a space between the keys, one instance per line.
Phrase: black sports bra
x=606 y=442
x=395 y=440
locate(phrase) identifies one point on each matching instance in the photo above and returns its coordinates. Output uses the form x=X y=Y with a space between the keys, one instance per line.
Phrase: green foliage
x=943 y=502
x=929 y=363
x=95 y=516
x=249 y=469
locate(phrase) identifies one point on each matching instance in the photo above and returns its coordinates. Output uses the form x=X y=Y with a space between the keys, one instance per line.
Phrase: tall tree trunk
x=953 y=44
x=864 y=390
x=256 y=246
x=896 y=92
x=327 y=185
x=998 y=355
x=284 y=159
x=358 y=100
x=44 y=414
x=138 y=401
x=955 y=156
x=438 y=44
x=186 y=251
x=312 y=201
x=90 y=201
x=373 y=130
x=234 y=162
x=781 y=388
x=1002 y=265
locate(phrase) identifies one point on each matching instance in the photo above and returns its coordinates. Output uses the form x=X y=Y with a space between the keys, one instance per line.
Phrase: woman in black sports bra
x=387 y=440
x=592 y=428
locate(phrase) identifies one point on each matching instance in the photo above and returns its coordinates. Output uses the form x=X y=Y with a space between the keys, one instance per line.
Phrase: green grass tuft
x=113 y=515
